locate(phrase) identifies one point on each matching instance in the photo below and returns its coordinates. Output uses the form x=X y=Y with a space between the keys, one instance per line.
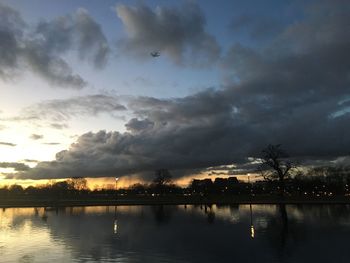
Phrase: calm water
x=176 y=234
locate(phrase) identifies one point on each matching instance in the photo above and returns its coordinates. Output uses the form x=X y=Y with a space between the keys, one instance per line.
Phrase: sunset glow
x=123 y=89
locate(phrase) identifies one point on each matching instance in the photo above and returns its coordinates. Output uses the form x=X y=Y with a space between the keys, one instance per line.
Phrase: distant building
x=219 y=185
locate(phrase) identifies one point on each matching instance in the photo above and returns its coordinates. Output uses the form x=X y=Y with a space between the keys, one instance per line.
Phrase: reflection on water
x=115 y=225
x=249 y=233
x=252 y=229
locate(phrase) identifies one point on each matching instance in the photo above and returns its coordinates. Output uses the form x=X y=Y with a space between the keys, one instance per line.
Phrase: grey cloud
x=59 y=126
x=256 y=27
x=30 y=161
x=41 y=49
x=60 y=111
x=282 y=94
x=136 y=125
x=325 y=26
x=342 y=161
x=36 y=136
x=51 y=143
x=242 y=168
x=91 y=40
x=79 y=30
x=20 y=167
x=50 y=67
x=11 y=26
x=177 y=32
x=8 y=144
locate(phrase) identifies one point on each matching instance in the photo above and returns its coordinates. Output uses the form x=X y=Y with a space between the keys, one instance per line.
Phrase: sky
x=80 y=94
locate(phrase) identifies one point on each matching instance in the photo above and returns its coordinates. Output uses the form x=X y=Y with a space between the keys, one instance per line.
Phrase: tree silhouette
x=78 y=183
x=275 y=165
x=161 y=179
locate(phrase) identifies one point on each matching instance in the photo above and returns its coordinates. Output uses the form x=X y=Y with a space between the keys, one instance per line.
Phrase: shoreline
x=18 y=203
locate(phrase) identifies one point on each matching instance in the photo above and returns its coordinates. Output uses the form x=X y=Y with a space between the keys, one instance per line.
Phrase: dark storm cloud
x=36 y=136
x=59 y=111
x=19 y=167
x=7 y=144
x=176 y=32
x=41 y=49
x=285 y=93
x=11 y=29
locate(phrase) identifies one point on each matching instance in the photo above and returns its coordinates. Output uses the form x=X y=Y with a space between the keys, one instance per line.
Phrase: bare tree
x=275 y=165
x=162 y=178
x=78 y=183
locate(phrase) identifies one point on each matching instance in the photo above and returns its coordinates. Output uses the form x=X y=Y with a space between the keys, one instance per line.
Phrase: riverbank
x=172 y=200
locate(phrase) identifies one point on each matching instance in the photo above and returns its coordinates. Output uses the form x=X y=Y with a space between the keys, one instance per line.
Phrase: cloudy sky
x=80 y=94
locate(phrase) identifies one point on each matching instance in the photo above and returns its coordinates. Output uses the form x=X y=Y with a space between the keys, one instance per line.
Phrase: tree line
x=280 y=177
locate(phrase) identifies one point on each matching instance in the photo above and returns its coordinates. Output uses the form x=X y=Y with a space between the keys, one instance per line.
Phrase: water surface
x=258 y=233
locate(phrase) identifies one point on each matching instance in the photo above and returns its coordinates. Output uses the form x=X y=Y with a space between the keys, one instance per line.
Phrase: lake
x=237 y=233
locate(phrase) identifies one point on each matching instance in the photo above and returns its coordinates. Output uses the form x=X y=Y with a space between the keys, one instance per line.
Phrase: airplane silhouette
x=155 y=54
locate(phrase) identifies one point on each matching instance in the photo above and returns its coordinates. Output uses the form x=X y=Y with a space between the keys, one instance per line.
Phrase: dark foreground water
x=260 y=233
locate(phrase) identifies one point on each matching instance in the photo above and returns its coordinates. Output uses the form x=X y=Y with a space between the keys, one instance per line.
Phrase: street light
x=116 y=188
x=250 y=185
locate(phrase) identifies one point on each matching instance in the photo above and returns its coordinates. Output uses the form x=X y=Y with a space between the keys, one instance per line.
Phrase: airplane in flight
x=155 y=54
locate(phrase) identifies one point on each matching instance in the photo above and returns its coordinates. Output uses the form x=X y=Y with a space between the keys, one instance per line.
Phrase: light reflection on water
x=257 y=233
